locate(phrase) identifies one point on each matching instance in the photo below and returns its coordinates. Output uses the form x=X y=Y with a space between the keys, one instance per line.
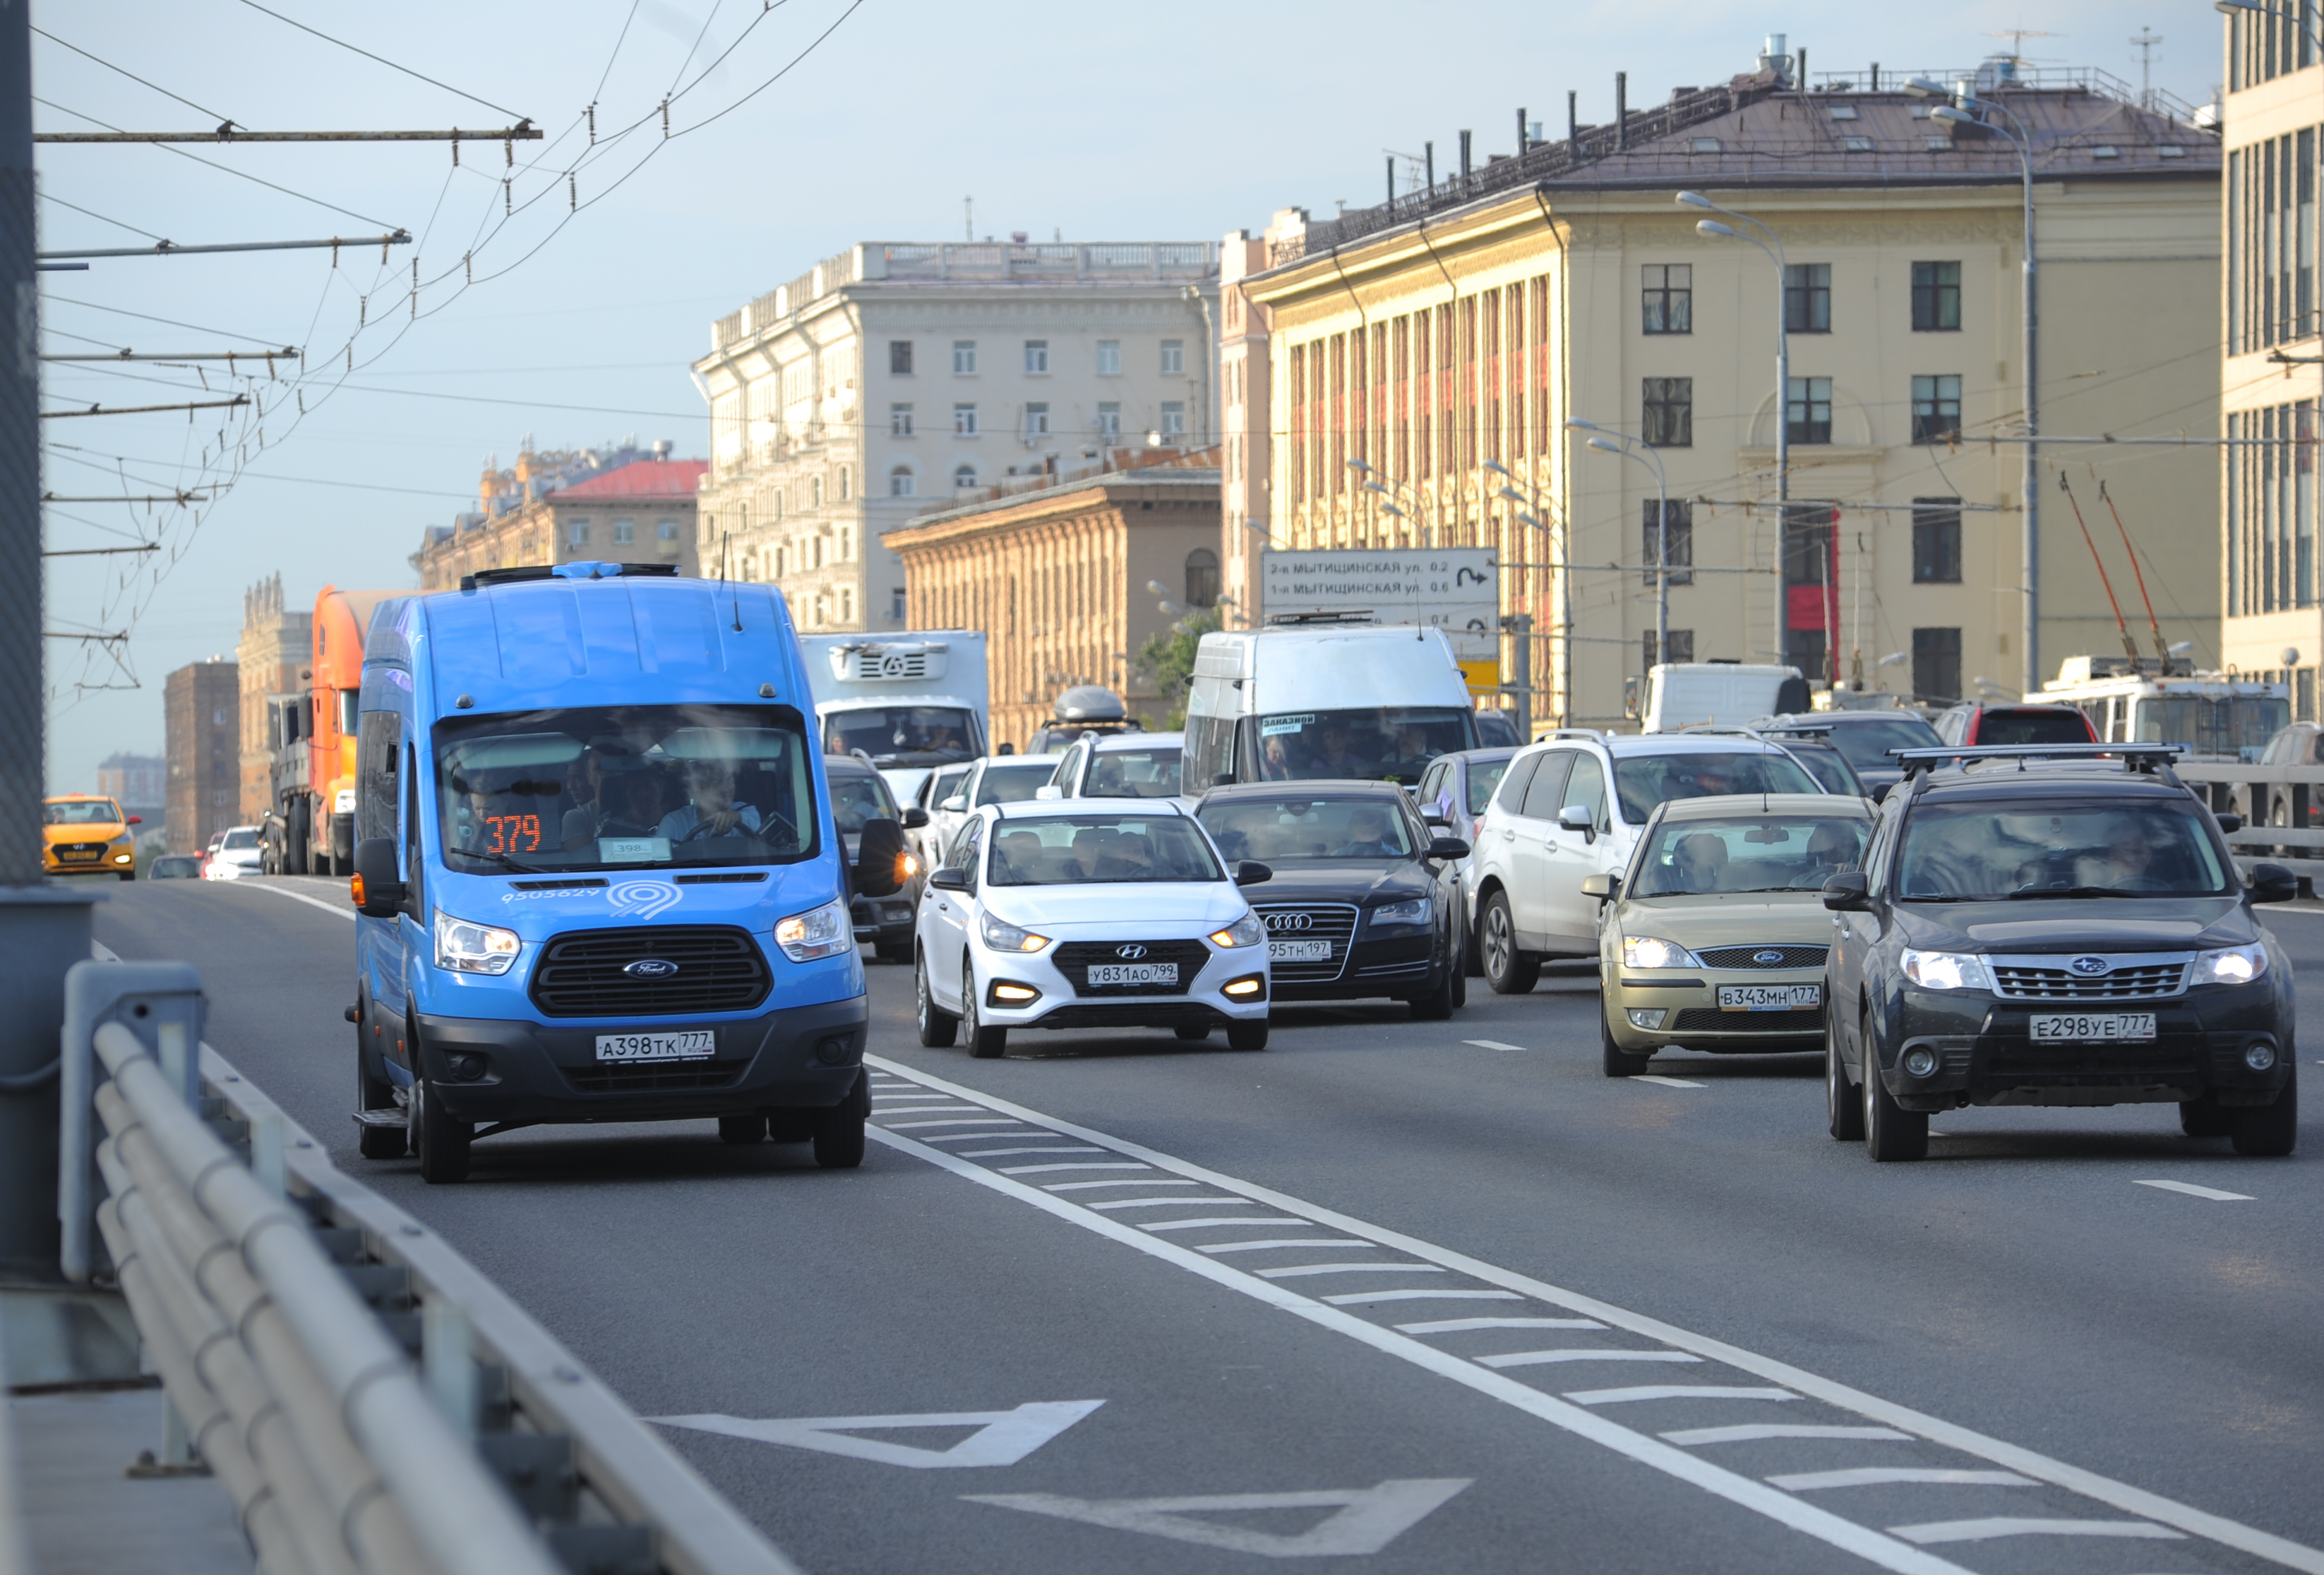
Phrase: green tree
x=1168 y=659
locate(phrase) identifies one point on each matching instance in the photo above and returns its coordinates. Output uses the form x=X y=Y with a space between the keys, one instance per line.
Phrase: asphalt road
x=1511 y=1315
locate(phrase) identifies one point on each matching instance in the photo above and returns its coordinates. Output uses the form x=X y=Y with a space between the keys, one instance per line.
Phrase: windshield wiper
x=503 y=859
x=2033 y=893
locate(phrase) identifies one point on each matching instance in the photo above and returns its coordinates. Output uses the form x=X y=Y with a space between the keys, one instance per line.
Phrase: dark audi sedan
x=1362 y=904
x=2036 y=930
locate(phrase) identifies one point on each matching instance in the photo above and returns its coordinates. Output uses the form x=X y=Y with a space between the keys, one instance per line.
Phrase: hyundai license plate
x=1770 y=997
x=79 y=855
x=688 y=1046
x=1133 y=973
x=1298 y=950
x=2092 y=1028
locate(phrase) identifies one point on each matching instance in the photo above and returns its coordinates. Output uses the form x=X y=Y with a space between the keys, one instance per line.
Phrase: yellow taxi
x=84 y=834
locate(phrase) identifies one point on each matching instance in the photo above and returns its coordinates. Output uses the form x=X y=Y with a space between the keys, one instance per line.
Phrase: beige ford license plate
x=2092 y=1028
x=688 y=1046
x=1770 y=997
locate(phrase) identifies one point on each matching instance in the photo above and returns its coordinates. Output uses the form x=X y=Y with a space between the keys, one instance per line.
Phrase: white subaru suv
x=1088 y=913
x=1572 y=806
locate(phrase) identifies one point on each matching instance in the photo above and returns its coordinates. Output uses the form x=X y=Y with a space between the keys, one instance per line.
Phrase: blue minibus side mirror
x=378 y=885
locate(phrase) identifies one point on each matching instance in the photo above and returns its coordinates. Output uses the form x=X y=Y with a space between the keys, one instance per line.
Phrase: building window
x=1669 y=412
x=1174 y=357
x=963 y=476
x=846 y=604
x=666 y=530
x=901 y=481
x=1856 y=145
x=1936 y=666
x=1680 y=517
x=1936 y=298
x=1174 y=418
x=900 y=420
x=1037 y=421
x=847 y=482
x=815 y=492
x=1807 y=298
x=1667 y=297
x=1936 y=409
x=896 y=604
x=576 y=533
x=964 y=420
x=1682 y=646
x=1108 y=358
x=1109 y=422
x=964 y=357
x=1202 y=578
x=899 y=357
x=1037 y=356
x=1936 y=541
x=847 y=544
x=625 y=532
x=819 y=552
x=1807 y=412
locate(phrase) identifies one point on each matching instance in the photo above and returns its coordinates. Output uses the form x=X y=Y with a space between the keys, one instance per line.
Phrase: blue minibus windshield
x=619 y=786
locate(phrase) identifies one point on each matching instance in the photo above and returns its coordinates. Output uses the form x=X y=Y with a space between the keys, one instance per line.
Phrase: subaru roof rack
x=2142 y=757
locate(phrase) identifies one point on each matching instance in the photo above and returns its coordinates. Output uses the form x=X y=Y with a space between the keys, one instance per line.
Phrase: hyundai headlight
x=472 y=948
x=1003 y=936
x=1947 y=970
x=823 y=932
x=1246 y=930
x=1647 y=952
x=1411 y=911
x=2230 y=965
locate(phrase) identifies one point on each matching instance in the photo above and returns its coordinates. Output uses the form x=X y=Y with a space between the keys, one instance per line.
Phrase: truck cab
x=596 y=870
x=901 y=700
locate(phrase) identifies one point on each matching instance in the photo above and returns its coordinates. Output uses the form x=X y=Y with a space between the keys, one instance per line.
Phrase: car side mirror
x=1251 y=872
x=1223 y=779
x=1575 y=818
x=1007 y=748
x=879 y=858
x=915 y=818
x=1048 y=791
x=949 y=880
x=2272 y=883
x=1447 y=848
x=2230 y=824
x=1847 y=892
x=135 y=820
x=1436 y=817
x=377 y=887
x=1604 y=888
x=955 y=804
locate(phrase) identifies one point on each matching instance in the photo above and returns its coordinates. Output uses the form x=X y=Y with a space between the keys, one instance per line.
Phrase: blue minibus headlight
x=472 y=948
x=823 y=932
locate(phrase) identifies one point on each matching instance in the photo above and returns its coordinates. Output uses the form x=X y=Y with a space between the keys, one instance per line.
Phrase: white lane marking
x=1876 y=1475
x=1366 y=1298
x=998 y=1153
x=2008 y=1525
x=987 y=1121
x=347 y=914
x=1301 y=1271
x=1674 y=1392
x=1668 y=1081
x=1535 y=1359
x=1037 y=1169
x=1368 y=1518
x=1080 y=1186
x=1198 y=1224
x=1217 y=1246
x=2120 y=1495
x=2192 y=1191
x=974 y=1136
x=1751 y=1432
x=1934 y=1133
x=1175 y=1203
x=1002 y=1437
x=1493 y=1045
x=1462 y=1325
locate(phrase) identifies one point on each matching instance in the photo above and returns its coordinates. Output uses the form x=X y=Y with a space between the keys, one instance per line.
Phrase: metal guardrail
x=2251 y=791
x=373 y=1404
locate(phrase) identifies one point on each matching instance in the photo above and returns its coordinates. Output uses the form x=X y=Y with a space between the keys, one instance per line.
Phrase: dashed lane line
x=1494 y=1044
x=1536 y=1358
x=1668 y=1081
x=2192 y=1191
x=1000 y=1153
x=1199 y=1224
x=1577 y=1412
x=2014 y=1525
x=1882 y=1476
x=1463 y=1325
x=1753 y=1431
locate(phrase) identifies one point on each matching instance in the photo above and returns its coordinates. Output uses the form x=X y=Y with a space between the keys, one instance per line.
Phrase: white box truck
x=1688 y=694
x=920 y=699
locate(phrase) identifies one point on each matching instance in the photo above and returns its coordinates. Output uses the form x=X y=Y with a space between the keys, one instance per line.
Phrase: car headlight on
x=1246 y=930
x=472 y=948
x=1947 y=970
x=2230 y=965
x=1647 y=952
x=821 y=932
x=1411 y=911
x=1003 y=936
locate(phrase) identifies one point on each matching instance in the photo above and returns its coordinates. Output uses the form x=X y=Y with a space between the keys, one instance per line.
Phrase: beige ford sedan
x=1715 y=935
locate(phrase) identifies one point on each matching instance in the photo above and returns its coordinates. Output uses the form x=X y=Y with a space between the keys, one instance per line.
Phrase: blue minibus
x=594 y=871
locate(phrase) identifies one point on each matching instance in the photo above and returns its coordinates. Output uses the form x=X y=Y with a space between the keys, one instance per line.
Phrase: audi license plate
x=2092 y=1028
x=1298 y=950
x=1770 y=997
x=1133 y=973
x=689 y=1046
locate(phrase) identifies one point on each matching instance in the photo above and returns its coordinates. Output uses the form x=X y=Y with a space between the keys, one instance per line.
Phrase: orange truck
x=312 y=732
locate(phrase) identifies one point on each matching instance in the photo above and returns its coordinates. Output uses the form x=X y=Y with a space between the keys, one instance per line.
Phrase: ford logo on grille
x=2090 y=967
x=1767 y=959
x=651 y=968
x=1291 y=921
x=1130 y=953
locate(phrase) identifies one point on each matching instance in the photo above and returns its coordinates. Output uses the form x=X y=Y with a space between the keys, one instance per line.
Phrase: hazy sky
x=1177 y=122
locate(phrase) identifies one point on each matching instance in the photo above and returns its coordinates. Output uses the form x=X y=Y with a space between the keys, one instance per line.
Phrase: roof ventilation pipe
x=1772 y=58
x=1621 y=110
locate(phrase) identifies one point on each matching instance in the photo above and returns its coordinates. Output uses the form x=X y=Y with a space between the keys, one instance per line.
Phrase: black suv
x=2054 y=925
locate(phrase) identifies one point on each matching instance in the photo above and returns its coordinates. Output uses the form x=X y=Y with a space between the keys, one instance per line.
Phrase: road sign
x=1457 y=589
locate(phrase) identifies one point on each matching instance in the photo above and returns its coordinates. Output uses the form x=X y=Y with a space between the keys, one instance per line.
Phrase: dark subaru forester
x=2055 y=925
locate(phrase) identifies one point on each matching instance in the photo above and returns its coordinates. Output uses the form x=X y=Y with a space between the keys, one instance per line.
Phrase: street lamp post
x=1520 y=625
x=1774 y=248
x=1606 y=440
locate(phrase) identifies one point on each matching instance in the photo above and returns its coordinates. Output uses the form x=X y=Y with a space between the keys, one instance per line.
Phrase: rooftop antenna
x=968 y=219
x=734 y=597
x=2017 y=37
x=2144 y=44
x=2161 y=649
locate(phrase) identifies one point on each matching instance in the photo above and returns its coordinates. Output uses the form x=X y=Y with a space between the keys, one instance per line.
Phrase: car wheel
x=1192 y=1031
x=1247 y=1035
x=128 y=874
x=1619 y=1062
x=939 y=1027
x=1890 y=1132
x=2270 y=1131
x=1843 y=1111
x=838 y=1133
x=1459 y=981
x=1438 y=1004
x=441 y=1142
x=750 y=1127
x=2204 y=1117
x=1509 y=971
x=986 y=1044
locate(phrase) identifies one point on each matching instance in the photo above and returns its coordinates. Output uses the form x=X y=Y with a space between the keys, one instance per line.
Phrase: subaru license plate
x=1770 y=997
x=1298 y=950
x=2092 y=1028
x=688 y=1046
x=1133 y=973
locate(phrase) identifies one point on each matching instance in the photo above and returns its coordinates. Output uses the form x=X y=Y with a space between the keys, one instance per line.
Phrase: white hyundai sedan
x=1088 y=913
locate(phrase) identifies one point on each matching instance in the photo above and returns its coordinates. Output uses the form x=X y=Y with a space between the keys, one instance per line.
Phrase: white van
x=1690 y=693
x=915 y=699
x=1364 y=702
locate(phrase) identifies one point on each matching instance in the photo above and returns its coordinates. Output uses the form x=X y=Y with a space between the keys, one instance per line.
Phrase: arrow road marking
x=1493 y=1045
x=1368 y=1518
x=1002 y=1437
x=2192 y=1191
x=1668 y=1081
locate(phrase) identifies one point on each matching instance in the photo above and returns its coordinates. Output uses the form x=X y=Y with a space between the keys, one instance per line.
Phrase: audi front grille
x=1308 y=921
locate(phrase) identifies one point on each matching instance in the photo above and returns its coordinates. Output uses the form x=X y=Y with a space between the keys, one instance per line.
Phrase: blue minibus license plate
x=686 y=1047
